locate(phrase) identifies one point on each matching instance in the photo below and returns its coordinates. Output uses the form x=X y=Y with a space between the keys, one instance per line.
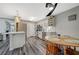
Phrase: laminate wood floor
x=33 y=46
x=4 y=46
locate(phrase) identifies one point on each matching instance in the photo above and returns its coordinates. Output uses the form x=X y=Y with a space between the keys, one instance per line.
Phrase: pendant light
x=17 y=18
x=17 y=21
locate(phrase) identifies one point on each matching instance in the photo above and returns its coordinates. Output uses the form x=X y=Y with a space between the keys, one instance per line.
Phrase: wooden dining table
x=63 y=41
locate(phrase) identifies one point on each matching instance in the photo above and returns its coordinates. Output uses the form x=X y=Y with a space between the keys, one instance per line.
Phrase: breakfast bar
x=16 y=39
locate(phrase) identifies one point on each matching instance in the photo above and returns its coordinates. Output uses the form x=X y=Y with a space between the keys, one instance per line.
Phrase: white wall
x=65 y=27
x=30 y=29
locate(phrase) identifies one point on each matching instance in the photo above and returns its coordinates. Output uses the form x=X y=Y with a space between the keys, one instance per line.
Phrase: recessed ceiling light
x=32 y=18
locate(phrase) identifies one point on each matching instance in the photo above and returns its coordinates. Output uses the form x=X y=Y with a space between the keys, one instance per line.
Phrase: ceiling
x=32 y=11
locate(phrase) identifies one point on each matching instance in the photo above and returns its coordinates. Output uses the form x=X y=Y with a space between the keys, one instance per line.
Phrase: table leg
x=64 y=50
x=74 y=48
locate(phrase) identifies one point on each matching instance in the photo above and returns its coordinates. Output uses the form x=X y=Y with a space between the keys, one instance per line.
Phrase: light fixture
x=17 y=18
x=32 y=18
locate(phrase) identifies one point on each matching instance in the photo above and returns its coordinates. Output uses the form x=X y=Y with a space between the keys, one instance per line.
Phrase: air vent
x=72 y=17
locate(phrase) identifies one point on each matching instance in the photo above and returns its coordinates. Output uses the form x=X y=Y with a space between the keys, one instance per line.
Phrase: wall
x=10 y=25
x=43 y=23
x=5 y=24
x=65 y=27
x=30 y=29
x=48 y=29
x=2 y=25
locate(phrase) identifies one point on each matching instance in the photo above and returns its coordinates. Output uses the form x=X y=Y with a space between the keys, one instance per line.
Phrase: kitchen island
x=16 y=39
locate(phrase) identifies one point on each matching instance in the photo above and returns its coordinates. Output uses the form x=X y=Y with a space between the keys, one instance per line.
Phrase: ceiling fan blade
x=52 y=10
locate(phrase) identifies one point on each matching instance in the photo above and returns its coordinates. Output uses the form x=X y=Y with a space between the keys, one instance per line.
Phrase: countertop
x=15 y=32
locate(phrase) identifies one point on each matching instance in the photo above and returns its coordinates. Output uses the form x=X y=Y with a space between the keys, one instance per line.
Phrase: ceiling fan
x=49 y=5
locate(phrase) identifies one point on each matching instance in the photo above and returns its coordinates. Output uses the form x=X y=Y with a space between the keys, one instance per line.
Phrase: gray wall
x=65 y=27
